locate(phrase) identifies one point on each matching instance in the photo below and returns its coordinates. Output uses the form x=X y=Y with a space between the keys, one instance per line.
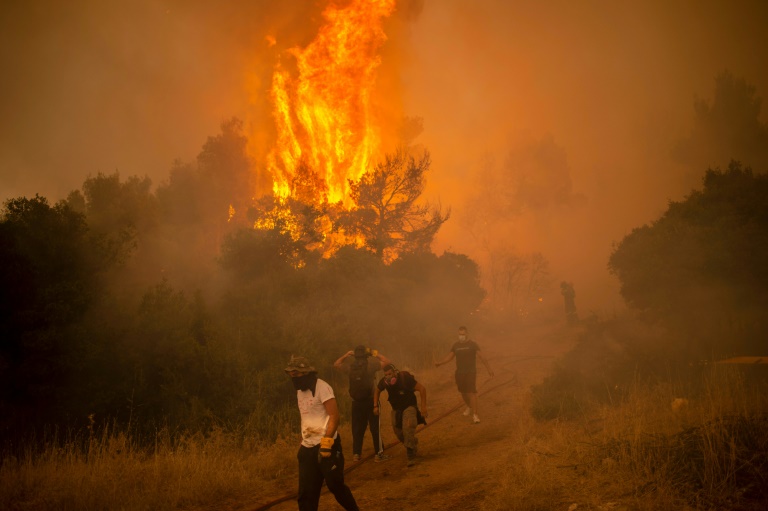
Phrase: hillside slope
x=460 y=463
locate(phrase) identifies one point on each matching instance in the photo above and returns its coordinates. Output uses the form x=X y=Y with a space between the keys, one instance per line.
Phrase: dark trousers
x=312 y=473
x=362 y=418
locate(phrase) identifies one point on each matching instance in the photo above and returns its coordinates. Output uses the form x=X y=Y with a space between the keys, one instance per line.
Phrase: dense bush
x=611 y=358
x=156 y=311
x=700 y=268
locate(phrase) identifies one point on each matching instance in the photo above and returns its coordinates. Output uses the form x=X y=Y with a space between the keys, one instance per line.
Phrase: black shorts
x=466 y=382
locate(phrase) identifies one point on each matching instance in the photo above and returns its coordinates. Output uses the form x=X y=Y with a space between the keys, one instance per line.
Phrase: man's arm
x=384 y=360
x=332 y=409
x=447 y=359
x=339 y=363
x=422 y=390
x=485 y=362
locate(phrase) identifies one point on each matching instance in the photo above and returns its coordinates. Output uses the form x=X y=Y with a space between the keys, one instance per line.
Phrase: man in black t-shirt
x=466 y=351
x=401 y=388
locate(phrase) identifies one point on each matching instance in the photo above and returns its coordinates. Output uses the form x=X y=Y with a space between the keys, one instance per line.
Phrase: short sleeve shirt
x=466 y=356
x=400 y=395
x=314 y=417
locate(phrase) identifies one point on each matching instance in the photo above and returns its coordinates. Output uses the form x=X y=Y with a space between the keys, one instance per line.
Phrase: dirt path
x=459 y=462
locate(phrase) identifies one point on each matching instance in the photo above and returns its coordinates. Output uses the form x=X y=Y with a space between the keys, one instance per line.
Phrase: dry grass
x=111 y=473
x=707 y=452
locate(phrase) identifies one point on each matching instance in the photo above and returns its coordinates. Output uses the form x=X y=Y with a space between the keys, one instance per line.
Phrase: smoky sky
x=579 y=101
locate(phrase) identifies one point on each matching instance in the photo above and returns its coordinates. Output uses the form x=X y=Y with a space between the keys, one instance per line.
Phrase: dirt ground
x=459 y=462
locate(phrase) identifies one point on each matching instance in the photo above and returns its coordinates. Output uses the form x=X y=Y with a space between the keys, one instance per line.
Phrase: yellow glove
x=375 y=353
x=325 y=446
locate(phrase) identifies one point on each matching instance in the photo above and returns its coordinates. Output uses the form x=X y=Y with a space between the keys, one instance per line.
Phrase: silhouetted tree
x=112 y=206
x=50 y=273
x=200 y=205
x=122 y=213
x=387 y=214
x=726 y=129
x=202 y=194
x=446 y=288
x=701 y=266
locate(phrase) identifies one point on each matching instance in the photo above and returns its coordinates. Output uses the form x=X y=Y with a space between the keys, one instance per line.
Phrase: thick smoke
x=612 y=87
x=576 y=108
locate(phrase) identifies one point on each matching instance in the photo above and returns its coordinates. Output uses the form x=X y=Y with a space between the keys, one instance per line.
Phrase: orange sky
x=613 y=86
x=95 y=87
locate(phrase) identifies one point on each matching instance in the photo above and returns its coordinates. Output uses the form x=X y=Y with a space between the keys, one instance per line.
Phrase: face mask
x=462 y=338
x=305 y=382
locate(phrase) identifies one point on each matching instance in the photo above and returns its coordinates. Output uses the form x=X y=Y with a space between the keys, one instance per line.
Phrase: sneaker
x=466 y=412
x=411 y=456
x=380 y=457
x=355 y=457
x=476 y=419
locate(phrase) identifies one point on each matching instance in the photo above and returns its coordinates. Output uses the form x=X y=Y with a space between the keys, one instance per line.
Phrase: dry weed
x=195 y=472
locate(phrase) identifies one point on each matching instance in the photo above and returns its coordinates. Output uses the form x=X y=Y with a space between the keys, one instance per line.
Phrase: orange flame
x=323 y=115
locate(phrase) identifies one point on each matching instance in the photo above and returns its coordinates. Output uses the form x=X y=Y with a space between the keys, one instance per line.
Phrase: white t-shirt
x=314 y=418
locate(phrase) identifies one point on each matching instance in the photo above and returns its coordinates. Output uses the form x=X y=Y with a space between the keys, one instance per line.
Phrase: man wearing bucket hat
x=320 y=457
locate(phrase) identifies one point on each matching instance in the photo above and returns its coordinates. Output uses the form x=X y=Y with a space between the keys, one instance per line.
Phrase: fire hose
x=448 y=412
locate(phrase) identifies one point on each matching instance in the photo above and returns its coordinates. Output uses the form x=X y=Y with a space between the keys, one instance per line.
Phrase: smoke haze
x=572 y=107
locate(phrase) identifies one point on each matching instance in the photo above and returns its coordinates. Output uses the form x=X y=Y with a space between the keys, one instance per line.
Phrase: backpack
x=360 y=381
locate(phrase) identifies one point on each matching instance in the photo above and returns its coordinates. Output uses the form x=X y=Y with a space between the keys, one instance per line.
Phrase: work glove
x=325 y=447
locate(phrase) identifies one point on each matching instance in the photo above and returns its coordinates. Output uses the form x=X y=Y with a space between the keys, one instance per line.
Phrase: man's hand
x=375 y=409
x=326 y=444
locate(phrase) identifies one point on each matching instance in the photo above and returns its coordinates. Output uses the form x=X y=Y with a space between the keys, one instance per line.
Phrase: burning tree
x=387 y=215
x=327 y=190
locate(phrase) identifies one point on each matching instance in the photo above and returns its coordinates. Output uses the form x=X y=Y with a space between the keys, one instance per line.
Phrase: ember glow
x=323 y=112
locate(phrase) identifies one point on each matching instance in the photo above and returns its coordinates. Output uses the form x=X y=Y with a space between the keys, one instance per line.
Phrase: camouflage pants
x=406 y=433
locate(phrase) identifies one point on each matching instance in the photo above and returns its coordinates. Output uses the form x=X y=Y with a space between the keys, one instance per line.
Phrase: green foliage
x=701 y=266
x=51 y=270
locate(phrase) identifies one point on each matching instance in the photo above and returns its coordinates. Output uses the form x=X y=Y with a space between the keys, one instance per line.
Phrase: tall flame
x=323 y=114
